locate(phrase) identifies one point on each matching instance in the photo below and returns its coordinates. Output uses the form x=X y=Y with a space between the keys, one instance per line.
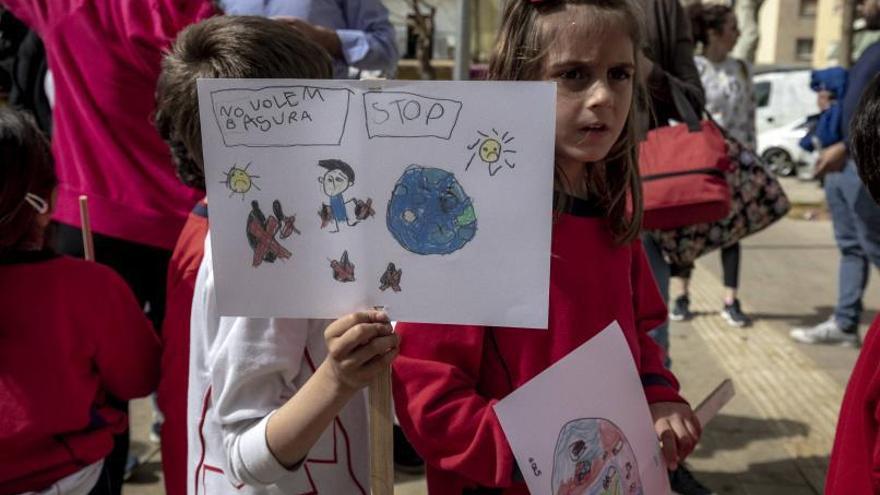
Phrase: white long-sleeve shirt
x=241 y=371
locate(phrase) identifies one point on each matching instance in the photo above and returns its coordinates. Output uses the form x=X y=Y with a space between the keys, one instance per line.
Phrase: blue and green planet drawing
x=430 y=213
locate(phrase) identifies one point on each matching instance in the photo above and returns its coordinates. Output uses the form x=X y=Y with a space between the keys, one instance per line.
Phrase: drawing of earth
x=429 y=212
x=593 y=457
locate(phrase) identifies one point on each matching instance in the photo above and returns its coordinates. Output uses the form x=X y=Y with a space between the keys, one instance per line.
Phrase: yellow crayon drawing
x=239 y=181
x=491 y=148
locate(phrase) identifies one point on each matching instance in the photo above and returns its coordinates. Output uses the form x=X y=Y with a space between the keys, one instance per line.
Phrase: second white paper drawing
x=592 y=433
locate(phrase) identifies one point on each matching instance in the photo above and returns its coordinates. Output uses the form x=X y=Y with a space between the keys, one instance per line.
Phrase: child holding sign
x=448 y=378
x=72 y=333
x=274 y=405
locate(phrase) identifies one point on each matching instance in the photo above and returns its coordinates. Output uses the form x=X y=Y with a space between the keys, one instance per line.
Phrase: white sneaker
x=827 y=332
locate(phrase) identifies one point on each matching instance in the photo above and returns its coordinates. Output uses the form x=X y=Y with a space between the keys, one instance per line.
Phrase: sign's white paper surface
x=432 y=199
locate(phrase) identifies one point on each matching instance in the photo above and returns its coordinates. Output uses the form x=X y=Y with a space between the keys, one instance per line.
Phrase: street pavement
x=776 y=434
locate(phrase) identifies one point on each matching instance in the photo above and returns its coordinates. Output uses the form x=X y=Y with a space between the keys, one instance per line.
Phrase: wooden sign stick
x=88 y=242
x=381 y=435
x=713 y=403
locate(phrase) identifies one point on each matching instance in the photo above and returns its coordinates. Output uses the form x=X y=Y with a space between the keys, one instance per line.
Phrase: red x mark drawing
x=266 y=242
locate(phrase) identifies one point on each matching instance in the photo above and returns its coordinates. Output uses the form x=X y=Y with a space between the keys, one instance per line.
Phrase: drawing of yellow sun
x=491 y=150
x=239 y=181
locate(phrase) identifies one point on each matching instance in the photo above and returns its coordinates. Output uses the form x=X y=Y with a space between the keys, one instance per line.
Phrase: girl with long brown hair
x=447 y=378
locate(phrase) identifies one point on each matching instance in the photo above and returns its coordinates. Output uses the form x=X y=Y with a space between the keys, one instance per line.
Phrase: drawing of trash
x=343 y=269
x=260 y=233
x=391 y=278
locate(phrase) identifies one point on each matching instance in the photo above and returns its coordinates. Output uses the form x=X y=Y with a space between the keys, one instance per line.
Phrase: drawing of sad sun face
x=490 y=151
x=239 y=181
x=492 y=148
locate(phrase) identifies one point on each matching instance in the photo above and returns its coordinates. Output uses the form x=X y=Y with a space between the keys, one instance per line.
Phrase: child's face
x=728 y=36
x=594 y=70
x=335 y=182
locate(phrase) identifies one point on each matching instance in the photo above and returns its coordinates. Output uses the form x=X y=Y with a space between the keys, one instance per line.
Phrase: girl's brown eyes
x=578 y=74
x=571 y=74
x=620 y=74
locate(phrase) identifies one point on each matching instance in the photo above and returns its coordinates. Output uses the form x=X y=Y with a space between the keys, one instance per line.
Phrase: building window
x=803 y=51
x=808 y=8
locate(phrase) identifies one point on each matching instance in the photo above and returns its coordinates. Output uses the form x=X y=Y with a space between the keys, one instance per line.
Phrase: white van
x=784 y=96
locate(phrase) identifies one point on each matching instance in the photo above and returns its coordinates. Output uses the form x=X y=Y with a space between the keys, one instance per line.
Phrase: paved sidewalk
x=775 y=436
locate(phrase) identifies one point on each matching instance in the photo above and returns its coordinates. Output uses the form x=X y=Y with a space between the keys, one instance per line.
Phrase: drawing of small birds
x=391 y=278
x=363 y=209
x=343 y=269
x=288 y=223
x=325 y=214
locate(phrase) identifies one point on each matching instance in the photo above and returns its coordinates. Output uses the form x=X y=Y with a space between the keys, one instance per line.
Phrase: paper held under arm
x=593 y=431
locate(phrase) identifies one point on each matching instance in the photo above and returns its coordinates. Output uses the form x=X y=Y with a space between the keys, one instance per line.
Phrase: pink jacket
x=105 y=58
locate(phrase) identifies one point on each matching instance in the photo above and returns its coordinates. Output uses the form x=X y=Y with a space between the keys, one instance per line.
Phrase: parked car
x=783 y=96
x=781 y=152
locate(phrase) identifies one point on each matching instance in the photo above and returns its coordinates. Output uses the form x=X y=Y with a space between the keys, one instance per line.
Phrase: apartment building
x=788 y=32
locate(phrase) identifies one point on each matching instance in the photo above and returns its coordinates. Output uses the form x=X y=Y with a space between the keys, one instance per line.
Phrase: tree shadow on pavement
x=816 y=316
x=728 y=432
x=801 y=476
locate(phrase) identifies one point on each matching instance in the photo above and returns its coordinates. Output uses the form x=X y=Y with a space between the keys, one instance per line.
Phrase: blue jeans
x=856 y=220
x=661 y=273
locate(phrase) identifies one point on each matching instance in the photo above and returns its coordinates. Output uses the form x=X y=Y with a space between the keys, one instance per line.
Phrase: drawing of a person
x=335 y=181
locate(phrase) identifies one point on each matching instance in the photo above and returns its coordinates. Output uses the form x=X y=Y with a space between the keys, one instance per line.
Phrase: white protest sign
x=433 y=199
x=583 y=426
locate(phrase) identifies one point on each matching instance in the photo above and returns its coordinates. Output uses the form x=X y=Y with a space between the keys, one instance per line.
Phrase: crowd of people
x=245 y=400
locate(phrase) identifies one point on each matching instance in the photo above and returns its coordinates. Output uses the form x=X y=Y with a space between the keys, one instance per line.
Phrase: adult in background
x=854 y=215
x=357 y=33
x=731 y=102
x=669 y=59
x=105 y=56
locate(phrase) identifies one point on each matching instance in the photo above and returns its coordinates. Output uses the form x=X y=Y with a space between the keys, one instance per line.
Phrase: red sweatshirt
x=70 y=331
x=855 y=460
x=182 y=272
x=447 y=378
x=105 y=59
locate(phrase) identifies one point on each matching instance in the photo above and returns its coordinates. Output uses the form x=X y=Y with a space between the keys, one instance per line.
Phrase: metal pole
x=463 y=43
